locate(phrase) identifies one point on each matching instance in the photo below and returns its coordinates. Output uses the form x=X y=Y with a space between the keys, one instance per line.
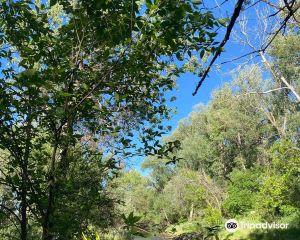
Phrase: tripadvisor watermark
x=232 y=225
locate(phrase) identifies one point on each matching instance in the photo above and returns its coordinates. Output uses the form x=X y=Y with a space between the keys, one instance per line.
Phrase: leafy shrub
x=242 y=191
x=212 y=216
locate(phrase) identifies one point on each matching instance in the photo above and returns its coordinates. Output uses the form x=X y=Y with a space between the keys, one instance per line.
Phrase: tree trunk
x=191 y=213
x=49 y=210
x=24 y=193
x=63 y=164
x=24 y=204
x=24 y=167
x=282 y=78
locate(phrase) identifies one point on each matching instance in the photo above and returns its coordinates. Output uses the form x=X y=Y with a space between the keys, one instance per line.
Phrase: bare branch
x=289 y=6
x=233 y=19
x=236 y=13
x=269 y=91
x=282 y=78
x=264 y=48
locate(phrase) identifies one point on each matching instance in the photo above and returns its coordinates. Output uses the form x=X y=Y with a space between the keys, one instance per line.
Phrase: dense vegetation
x=78 y=80
x=239 y=156
x=84 y=87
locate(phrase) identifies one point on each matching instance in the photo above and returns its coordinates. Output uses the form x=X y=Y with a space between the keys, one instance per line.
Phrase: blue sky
x=187 y=82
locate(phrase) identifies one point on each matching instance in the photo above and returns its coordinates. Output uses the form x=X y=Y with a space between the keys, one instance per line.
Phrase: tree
x=77 y=79
x=238 y=155
x=264 y=40
x=287 y=10
x=230 y=140
x=243 y=191
x=161 y=172
x=281 y=184
x=134 y=191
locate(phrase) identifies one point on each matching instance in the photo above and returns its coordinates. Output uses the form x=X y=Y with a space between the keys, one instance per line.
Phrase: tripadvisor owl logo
x=231 y=225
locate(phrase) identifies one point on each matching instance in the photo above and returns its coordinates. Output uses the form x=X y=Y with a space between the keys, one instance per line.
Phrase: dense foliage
x=83 y=88
x=78 y=80
x=239 y=155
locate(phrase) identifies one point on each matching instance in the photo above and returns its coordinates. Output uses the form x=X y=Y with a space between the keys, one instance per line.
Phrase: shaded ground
x=286 y=234
x=185 y=236
x=162 y=237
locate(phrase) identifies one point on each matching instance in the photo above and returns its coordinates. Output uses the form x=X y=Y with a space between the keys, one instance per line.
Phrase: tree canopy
x=84 y=86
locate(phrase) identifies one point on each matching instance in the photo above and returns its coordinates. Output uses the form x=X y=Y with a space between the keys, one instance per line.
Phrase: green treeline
x=239 y=156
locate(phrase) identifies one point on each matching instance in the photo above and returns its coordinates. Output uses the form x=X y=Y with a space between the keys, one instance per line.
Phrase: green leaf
x=97 y=236
x=223 y=21
x=148 y=3
x=178 y=56
x=65 y=94
x=117 y=97
x=196 y=2
x=84 y=237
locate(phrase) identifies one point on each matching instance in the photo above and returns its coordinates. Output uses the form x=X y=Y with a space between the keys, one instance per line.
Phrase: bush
x=212 y=217
x=242 y=191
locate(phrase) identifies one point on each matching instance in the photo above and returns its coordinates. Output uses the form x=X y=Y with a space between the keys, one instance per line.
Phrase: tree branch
x=263 y=49
x=266 y=92
x=289 y=6
x=236 y=13
x=10 y=211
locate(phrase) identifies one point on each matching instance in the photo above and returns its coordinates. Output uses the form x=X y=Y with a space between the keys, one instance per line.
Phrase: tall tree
x=77 y=79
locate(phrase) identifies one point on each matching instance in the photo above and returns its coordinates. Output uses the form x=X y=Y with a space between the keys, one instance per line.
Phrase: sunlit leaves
x=87 y=80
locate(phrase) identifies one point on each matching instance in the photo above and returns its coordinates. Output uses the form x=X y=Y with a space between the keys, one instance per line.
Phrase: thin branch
x=286 y=19
x=263 y=49
x=13 y=222
x=10 y=211
x=269 y=91
x=242 y=56
x=273 y=5
x=252 y=5
x=290 y=8
x=282 y=78
x=236 y=13
x=218 y=5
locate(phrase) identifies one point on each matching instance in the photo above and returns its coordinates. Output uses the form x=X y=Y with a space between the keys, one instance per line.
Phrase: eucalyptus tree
x=78 y=79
